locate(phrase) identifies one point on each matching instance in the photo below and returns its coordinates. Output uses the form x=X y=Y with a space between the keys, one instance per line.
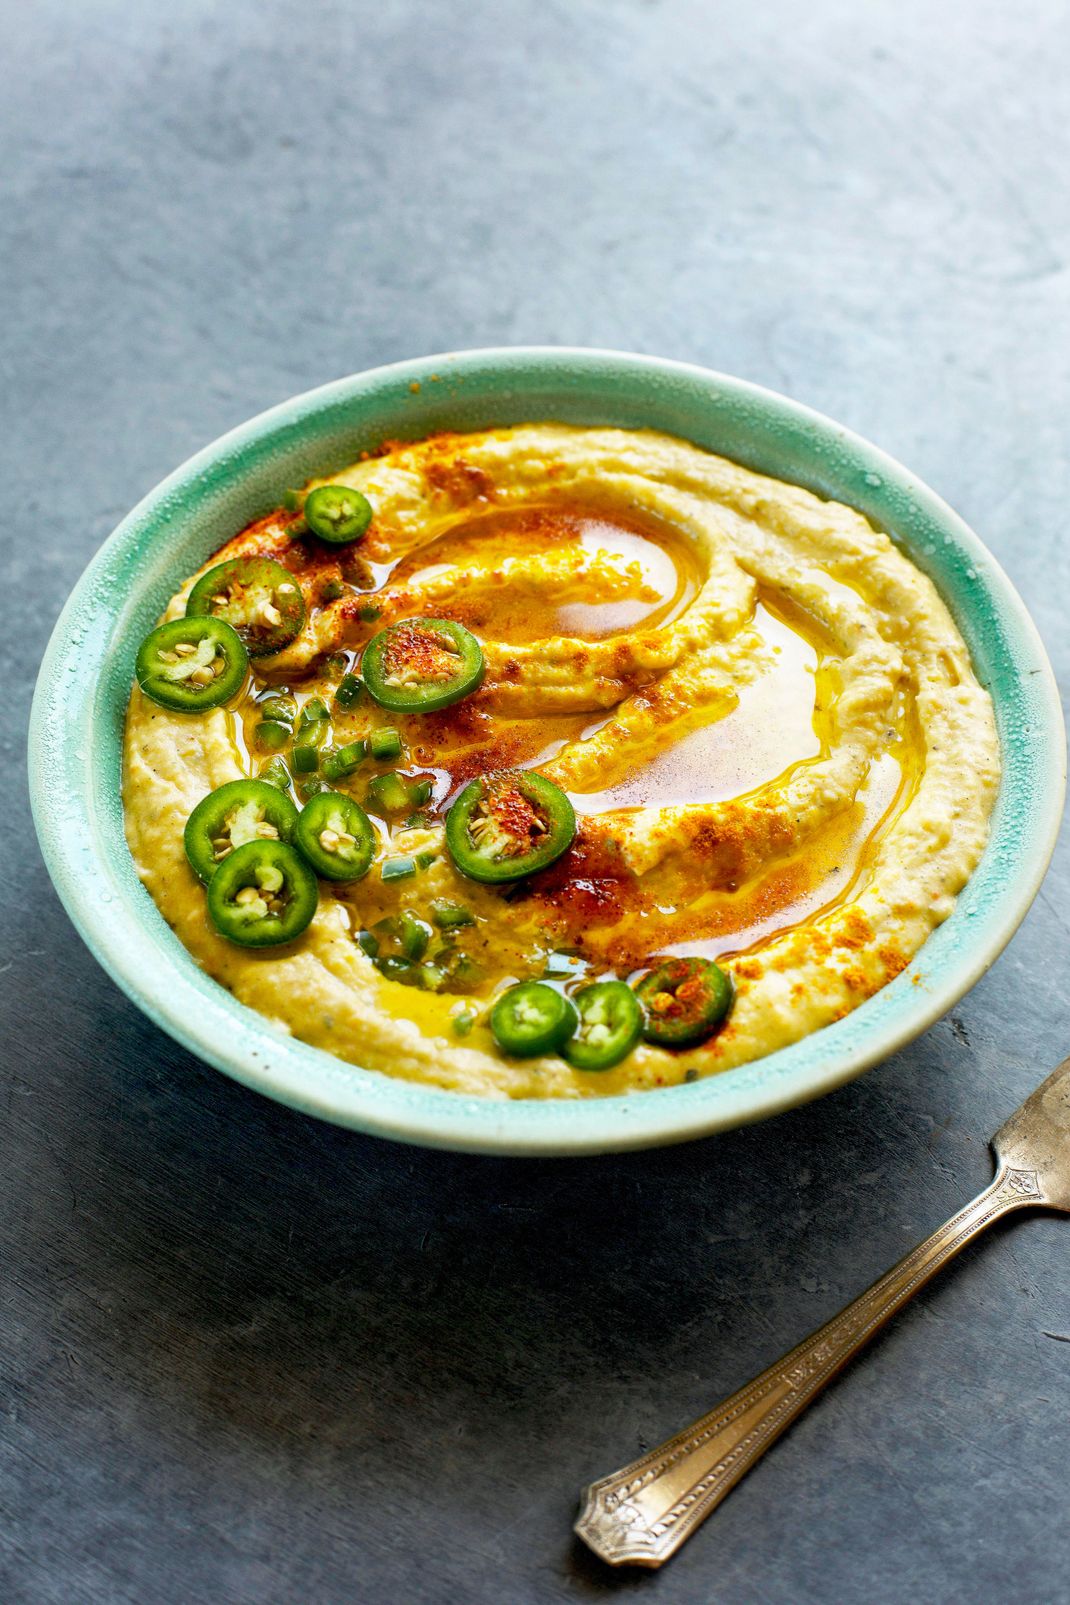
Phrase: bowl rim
x=209 y=1021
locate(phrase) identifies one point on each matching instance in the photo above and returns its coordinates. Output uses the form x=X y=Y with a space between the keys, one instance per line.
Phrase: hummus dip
x=762 y=713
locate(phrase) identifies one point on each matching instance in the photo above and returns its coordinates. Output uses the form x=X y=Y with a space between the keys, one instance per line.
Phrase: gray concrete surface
x=249 y=1358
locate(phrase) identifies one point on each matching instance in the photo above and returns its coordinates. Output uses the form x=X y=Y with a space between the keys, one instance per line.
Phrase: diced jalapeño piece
x=414 y=935
x=389 y=793
x=350 y=690
x=310 y=737
x=395 y=968
x=339 y=762
x=384 y=744
x=314 y=710
x=279 y=705
x=310 y=786
x=399 y=868
x=271 y=736
x=450 y=916
x=276 y=774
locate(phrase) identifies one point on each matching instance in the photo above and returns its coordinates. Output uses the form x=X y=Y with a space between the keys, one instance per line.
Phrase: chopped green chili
x=414 y=936
x=276 y=774
x=395 y=968
x=314 y=710
x=339 y=762
x=311 y=786
x=451 y=916
x=459 y=966
x=399 y=868
x=310 y=738
x=271 y=736
x=349 y=692
x=388 y=793
x=279 y=705
x=385 y=743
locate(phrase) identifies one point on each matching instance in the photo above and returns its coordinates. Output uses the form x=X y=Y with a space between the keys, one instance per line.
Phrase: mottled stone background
x=250 y=1358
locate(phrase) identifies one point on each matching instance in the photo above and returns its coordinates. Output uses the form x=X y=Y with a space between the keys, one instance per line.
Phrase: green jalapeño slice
x=264 y=894
x=241 y=811
x=421 y=665
x=336 y=836
x=685 y=1001
x=504 y=826
x=191 y=664
x=532 y=1018
x=337 y=514
x=611 y=1023
x=257 y=597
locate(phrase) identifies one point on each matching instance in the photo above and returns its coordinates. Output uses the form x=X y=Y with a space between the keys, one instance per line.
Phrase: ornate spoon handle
x=641 y=1514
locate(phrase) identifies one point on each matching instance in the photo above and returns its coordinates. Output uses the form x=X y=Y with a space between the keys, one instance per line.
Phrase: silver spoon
x=642 y=1514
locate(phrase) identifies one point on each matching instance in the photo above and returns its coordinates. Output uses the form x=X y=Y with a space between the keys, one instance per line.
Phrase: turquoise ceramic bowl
x=76 y=731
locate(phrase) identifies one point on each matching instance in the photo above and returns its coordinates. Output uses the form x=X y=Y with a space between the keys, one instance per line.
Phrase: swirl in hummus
x=763 y=716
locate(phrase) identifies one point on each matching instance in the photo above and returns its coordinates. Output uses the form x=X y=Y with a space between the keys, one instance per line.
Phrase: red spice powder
x=412 y=649
x=514 y=813
x=590 y=884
